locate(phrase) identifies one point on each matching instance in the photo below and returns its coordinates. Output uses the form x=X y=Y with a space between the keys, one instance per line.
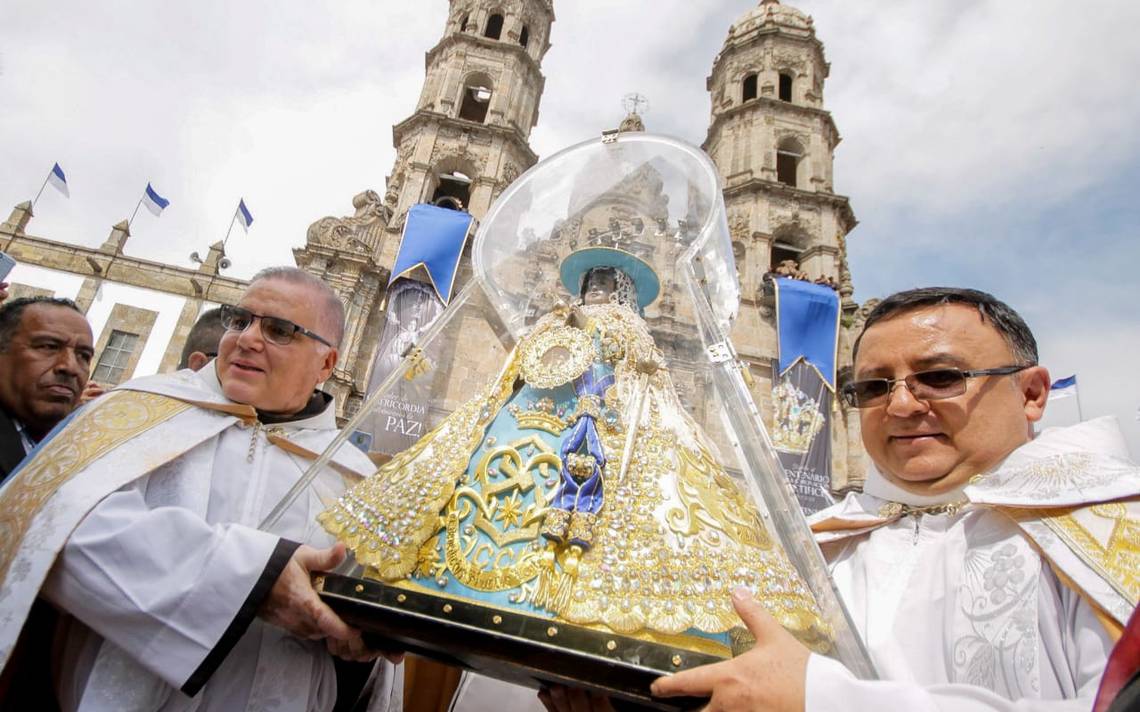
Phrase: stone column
x=17 y=222
x=191 y=308
x=186 y=320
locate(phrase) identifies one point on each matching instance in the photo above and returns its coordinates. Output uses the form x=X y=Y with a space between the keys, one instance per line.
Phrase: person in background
x=202 y=342
x=45 y=357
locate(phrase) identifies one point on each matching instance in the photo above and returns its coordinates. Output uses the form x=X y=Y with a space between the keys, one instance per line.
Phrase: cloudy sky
x=987 y=143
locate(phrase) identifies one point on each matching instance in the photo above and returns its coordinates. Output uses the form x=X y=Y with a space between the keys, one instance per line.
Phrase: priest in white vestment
x=139 y=521
x=985 y=569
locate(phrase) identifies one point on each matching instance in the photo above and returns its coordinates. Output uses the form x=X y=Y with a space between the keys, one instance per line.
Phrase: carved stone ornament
x=360 y=233
x=738 y=226
x=861 y=315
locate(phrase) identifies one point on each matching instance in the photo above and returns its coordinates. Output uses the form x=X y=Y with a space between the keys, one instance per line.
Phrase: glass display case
x=590 y=478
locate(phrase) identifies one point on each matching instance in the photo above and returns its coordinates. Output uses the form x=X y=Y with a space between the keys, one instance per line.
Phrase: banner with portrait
x=803 y=389
x=401 y=417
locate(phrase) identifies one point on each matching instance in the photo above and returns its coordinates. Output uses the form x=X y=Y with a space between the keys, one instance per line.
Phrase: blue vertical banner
x=433 y=239
x=803 y=387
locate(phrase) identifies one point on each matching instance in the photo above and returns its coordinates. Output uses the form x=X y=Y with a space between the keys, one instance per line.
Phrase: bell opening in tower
x=785 y=86
x=494 y=27
x=788 y=155
x=476 y=101
x=524 y=36
x=453 y=191
x=783 y=252
x=749 y=88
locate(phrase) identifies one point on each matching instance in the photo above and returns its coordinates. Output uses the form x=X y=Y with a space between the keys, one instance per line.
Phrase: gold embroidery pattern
x=713 y=504
x=636 y=576
x=1117 y=558
x=377 y=519
x=116 y=418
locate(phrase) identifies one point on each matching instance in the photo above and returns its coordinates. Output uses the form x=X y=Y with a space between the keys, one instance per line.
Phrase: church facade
x=467 y=139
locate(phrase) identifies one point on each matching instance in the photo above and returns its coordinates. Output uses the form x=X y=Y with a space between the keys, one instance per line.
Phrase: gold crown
x=797 y=419
x=539 y=415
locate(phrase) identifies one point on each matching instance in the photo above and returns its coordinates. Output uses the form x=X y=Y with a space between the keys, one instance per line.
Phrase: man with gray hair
x=140 y=520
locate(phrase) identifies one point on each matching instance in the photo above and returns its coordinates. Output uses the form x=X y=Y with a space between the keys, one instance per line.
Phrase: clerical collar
x=316 y=405
x=879 y=486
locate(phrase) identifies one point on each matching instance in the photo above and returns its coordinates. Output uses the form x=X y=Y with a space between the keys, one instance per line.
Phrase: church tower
x=467 y=140
x=773 y=142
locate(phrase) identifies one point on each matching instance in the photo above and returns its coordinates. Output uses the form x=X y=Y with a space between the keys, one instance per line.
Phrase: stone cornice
x=737 y=45
x=121 y=269
x=422 y=116
x=765 y=105
x=461 y=38
x=774 y=189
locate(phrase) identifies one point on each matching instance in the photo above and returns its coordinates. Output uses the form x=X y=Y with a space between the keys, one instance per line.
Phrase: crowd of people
x=133 y=574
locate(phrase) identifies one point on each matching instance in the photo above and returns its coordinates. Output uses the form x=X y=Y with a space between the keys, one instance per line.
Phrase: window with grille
x=115 y=357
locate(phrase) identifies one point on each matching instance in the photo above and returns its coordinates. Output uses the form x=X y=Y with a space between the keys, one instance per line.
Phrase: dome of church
x=771 y=12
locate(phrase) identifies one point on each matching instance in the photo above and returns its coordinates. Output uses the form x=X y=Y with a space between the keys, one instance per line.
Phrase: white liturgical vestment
x=957 y=605
x=161 y=579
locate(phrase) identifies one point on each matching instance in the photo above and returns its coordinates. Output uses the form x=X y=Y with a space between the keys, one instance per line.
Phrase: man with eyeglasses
x=985 y=568
x=140 y=520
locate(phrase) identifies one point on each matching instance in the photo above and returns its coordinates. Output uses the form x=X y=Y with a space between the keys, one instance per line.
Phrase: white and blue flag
x=1063 y=388
x=154 y=202
x=58 y=180
x=243 y=215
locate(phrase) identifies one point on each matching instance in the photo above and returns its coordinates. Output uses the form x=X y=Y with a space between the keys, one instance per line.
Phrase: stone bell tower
x=773 y=142
x=467 y=140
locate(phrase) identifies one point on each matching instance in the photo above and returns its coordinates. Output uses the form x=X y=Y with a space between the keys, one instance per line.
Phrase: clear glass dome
x=588 y=354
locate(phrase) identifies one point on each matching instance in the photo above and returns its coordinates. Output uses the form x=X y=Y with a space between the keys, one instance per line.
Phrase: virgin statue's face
x=599 y=285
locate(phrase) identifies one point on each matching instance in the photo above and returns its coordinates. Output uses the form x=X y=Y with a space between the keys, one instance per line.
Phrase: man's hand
x=292 y=604
x=355 y=650
x=3 y=291
x=768 y=677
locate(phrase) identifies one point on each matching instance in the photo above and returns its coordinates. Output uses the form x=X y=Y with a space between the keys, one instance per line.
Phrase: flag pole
x=136 y=212
x=233 y=218
x=41 y=190
x=1077 y=391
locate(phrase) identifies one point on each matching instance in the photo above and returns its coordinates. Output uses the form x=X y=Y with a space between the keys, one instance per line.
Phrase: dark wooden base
x=519 y=648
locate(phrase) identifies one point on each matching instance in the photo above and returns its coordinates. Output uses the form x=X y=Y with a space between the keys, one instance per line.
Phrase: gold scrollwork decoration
x=711 y=500
x=496 y=510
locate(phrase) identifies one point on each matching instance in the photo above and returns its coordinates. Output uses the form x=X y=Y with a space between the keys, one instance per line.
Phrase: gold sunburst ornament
x=556 y=356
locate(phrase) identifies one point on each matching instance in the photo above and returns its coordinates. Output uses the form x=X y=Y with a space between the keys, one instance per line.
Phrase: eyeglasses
x=274 y=329
x=935 y=384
